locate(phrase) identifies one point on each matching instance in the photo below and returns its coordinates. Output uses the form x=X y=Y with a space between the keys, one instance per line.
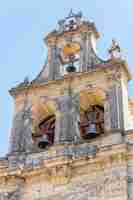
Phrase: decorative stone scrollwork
x=60 y=175
x=115 y=75
x=121 y=157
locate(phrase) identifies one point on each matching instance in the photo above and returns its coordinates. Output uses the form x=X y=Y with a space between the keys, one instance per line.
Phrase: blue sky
x=23 y=25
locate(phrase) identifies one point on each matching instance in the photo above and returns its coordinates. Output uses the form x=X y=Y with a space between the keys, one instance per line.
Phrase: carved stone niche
x=60 y=175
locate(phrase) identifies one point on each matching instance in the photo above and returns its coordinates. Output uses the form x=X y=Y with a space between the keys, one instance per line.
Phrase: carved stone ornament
x=115 y=75
x=114 y=50
x=60 y=175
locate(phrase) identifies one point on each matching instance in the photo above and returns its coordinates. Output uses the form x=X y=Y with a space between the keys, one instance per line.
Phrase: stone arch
x=92 y=112
x=43 y=123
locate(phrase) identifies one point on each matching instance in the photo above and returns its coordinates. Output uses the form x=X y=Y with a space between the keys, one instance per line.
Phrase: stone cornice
x=62 y=157
x=84 y=27
x=109 y=65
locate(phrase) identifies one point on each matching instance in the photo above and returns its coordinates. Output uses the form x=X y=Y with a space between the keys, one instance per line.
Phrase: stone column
x=21 y=136
x=83 y=53
x=66 y=129
x=28 y=143
x=88 y=56
x=115 y=106
x=54 y=62
x=16 y=133
x=125 y=104
x=107 y=121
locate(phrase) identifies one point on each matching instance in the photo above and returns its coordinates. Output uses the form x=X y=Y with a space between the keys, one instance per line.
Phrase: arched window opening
x=92 y=122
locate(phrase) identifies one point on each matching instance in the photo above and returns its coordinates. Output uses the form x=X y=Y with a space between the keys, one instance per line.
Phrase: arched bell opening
x=45 y=130
x=43 y=125
x=92 y=122
x=92 y=114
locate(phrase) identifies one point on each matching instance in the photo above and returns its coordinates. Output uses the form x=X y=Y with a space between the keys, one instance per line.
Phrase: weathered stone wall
x=68 y=172
x=109 y=183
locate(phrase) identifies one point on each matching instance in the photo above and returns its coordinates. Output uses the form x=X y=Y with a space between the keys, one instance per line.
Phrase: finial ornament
x=114 y=50
x=72 y=14
x=26 y=80
x=71 y=22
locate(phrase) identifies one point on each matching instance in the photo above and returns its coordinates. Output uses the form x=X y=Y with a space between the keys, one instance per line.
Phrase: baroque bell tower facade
x=72 y=131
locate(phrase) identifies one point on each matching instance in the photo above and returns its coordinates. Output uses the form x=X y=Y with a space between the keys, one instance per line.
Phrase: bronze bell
x=91 y=130
x=71 y=68
x=44 y=142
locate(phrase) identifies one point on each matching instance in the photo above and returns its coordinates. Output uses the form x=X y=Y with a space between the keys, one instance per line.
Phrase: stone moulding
x=108 y=65
x=58 y=165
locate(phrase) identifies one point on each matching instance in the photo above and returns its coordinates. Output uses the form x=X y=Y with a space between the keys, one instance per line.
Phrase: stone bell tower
x=72 y=132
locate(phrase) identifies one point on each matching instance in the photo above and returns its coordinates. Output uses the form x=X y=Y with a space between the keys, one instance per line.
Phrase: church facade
x=72 y=131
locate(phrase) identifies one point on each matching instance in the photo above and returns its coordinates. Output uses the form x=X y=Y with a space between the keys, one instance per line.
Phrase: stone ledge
x=59 y=156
